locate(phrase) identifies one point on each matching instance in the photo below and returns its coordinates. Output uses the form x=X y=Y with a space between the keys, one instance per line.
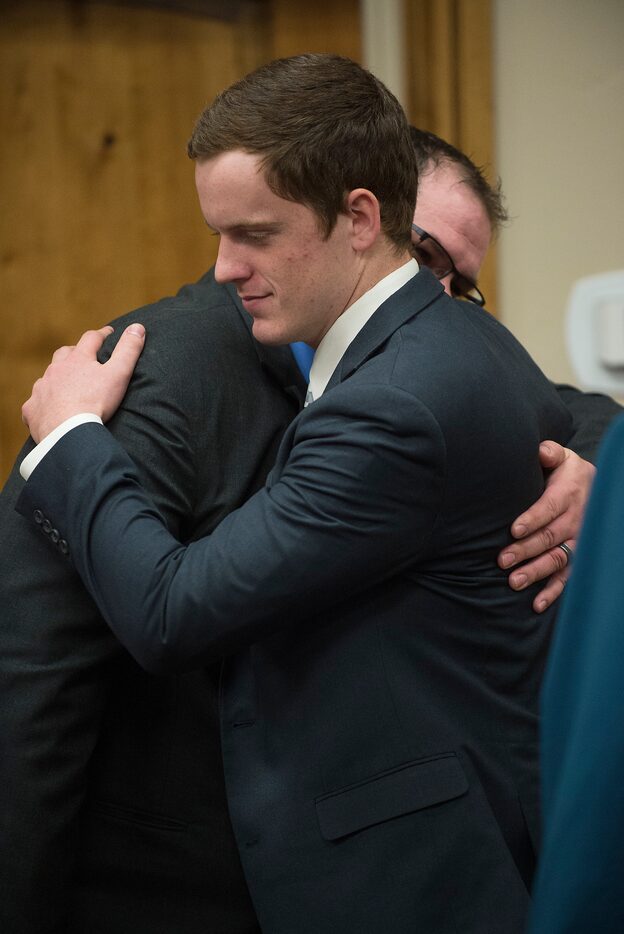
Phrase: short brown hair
x=322 y=126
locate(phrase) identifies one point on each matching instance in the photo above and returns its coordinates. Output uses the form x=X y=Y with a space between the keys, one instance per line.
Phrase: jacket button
x=64 y=546
x=46 y=526
x=38 y=516
x=55 y=536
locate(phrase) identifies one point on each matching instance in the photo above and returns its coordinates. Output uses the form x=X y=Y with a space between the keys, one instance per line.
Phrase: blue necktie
x=303 y=355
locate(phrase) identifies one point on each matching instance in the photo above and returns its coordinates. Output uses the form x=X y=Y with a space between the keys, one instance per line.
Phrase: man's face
x=292 y=282
x=448 y=210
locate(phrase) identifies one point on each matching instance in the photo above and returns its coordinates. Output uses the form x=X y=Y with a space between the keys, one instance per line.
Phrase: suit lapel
x=409 y=301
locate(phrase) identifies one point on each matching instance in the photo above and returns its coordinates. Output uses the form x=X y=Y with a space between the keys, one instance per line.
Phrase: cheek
x=302 y=269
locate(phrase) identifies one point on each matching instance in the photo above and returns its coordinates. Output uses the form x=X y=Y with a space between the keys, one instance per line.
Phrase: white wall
x=559 y=93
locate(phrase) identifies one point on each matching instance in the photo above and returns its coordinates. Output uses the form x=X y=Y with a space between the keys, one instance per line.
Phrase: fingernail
x=545 y=447
x=541 y=606
x=519 y=530
x=507 y=559
x=518 y=581
x=137 y=329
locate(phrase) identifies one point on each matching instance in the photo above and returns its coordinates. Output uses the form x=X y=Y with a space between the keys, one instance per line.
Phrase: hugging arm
x=557 y=516
x=593 y=413
x=177 y=607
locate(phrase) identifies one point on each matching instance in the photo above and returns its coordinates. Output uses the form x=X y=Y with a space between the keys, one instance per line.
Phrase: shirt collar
x=348 y=325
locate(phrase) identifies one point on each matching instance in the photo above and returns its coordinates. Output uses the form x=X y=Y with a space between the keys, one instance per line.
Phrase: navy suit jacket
x=379 y=703
x=579 y=883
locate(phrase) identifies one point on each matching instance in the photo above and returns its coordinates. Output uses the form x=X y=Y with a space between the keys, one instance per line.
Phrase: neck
x=376 y=268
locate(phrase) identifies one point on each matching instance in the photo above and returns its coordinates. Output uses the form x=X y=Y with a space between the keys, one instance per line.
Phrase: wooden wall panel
x=450 y=85
x=322 y=26
x=476 y=107
x=430 y=35
x=99 y=210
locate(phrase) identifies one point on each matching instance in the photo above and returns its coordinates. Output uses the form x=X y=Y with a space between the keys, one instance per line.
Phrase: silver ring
x=568 y=553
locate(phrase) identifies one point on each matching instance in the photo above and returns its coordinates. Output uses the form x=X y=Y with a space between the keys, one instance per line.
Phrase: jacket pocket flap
x=409 y=788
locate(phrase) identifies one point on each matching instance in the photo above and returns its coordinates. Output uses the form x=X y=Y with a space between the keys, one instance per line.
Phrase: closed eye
x=243 y=234
x=254 y=236
x=254 y=233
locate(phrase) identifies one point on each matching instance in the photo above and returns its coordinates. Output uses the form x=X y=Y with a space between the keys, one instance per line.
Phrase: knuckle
x=535 y=570
x=551 y=505
x=555 y=506
x=548 y=537
x=559 y=559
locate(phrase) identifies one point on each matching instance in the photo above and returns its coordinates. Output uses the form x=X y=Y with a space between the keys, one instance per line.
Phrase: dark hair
x=431 y=151
x=322 y=126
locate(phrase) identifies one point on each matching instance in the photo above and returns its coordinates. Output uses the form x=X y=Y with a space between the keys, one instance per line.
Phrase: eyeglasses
x=429 y=252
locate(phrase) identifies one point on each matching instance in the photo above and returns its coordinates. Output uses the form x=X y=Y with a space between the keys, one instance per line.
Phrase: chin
x=266 y=333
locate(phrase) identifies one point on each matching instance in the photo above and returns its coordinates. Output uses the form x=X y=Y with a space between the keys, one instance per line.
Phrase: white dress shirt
x=39 y=452
x=346 y=328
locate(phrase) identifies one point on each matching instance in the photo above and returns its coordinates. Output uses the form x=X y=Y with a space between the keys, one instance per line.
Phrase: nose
x=230 y=265
x=446 y=282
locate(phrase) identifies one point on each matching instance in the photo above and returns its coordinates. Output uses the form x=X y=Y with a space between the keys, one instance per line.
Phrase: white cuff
x=38 y=453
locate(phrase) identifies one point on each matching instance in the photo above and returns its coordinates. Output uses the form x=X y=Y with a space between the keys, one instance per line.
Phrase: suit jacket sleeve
x=56 y=652
x=354 y=502
x=592 y=414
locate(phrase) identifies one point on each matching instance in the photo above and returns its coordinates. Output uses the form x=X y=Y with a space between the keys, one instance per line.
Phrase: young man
x=379 y=696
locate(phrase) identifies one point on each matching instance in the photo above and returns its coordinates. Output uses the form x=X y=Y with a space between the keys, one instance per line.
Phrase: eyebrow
x=242 y=226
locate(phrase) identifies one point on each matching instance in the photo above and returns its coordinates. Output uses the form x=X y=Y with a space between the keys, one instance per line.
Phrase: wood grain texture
x=322 y=26
x=476 y=107
x=99 y=209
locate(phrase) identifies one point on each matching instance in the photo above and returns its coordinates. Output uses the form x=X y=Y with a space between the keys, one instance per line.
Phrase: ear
x=362 y=208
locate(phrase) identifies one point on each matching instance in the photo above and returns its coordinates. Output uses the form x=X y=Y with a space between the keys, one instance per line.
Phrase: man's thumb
x=125 y=355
